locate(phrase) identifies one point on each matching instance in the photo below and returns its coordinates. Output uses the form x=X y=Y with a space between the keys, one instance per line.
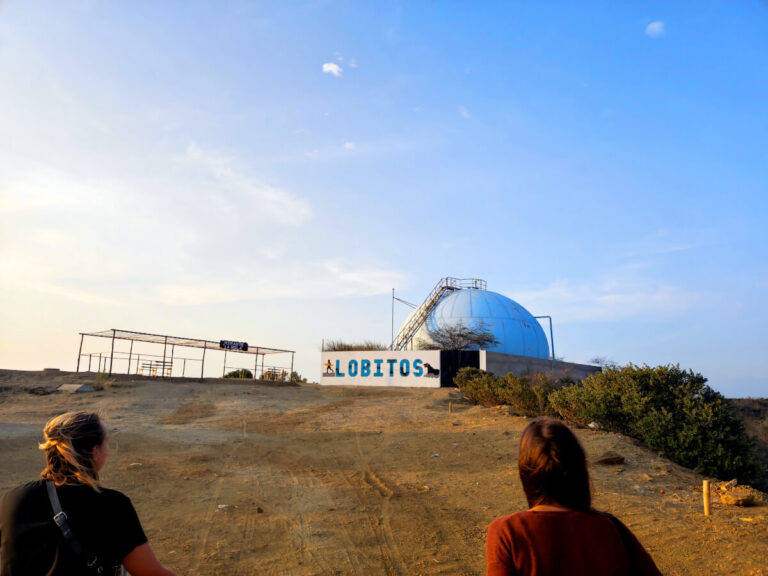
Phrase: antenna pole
x=392 y=339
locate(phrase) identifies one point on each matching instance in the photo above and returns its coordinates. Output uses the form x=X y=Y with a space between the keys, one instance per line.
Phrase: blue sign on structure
x=232 y=345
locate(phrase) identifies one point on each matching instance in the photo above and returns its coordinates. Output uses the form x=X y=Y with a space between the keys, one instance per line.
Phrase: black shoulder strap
x=629 y=546
x=60 y=518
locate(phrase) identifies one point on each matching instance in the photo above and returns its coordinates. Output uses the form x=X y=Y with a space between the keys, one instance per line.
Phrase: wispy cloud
x=661 y=242
x=655 y=29
x=671 y=249
x=197 y=228
x=234 y=189
x=353 y=63
x=464 y=113
x=337 y=278
x=333 y=69
x=608 y=300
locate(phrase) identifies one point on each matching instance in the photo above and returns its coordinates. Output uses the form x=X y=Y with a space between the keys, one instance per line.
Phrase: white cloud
x=660 y=250
x=464 y=112
x=353 y=63
x=235 y=191
x=99 y=239
x=609 y=300
x=284 y=279
x=655 y=29
x=349 y=145
x=332 y=68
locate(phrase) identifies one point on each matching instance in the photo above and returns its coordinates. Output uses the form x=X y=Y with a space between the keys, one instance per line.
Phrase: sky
x=269 y=171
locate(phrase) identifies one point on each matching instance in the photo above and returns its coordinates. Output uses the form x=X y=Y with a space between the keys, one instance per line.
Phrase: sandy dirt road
x=241 y=479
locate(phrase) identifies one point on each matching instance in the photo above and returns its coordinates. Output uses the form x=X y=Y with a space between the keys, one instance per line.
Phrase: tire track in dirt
x=207 y=523
x=381 y=525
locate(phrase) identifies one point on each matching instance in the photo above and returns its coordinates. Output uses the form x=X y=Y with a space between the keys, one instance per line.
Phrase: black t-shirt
x=105 y=523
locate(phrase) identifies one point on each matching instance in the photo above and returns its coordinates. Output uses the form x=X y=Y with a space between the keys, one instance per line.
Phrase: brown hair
x=69 y=442
x=553 y=467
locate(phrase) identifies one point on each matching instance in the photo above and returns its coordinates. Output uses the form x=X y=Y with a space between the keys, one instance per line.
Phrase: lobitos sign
x=414 y=368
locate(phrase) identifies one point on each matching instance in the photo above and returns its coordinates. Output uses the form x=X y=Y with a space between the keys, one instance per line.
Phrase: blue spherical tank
x=516 y=330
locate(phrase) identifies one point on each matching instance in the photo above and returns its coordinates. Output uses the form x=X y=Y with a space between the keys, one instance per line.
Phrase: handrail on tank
x=420 y=315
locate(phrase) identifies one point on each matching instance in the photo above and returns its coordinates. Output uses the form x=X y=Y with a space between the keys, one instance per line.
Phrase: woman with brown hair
x=560 y=533
x=67 y=523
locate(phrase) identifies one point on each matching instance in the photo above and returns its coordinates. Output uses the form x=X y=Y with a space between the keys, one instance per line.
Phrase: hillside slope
x=239 y=478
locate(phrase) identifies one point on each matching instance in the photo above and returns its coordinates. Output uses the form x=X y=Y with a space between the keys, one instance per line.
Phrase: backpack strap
x=61 y=520
x=626 y=539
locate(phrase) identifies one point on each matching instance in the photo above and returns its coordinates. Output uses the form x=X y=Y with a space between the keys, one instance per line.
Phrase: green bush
x=479 y=387
x=669 y=409
x=528 y=396
x=242 y=373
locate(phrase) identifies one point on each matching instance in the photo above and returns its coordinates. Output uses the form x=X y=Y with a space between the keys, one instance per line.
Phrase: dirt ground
x=241 y=478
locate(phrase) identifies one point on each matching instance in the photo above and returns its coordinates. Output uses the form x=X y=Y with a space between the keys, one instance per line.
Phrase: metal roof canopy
x=178 y=341
x=165 y=365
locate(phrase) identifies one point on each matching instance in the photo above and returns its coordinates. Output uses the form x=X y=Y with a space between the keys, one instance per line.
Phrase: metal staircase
x=420 y=315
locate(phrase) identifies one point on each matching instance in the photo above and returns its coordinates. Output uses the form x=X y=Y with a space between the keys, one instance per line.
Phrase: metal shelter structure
x=163 y=365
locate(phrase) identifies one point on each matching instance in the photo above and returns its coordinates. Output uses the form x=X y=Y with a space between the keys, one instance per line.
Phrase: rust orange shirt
x=542 y=543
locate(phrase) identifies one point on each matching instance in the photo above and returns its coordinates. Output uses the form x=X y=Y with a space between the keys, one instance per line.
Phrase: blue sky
x=270 y=171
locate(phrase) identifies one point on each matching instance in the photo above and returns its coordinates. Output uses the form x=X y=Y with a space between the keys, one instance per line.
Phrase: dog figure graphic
x=431 y=372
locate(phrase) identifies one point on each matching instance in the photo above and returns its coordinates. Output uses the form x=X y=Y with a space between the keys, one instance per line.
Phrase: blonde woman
x=95 y=530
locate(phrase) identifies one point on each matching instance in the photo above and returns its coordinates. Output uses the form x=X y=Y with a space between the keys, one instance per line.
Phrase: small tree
x=458 y=337
x=604 y=362
x=296 y=377
x=241 y=373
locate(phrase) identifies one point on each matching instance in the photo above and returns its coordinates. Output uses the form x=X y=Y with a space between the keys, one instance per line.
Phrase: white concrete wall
x=413 y=368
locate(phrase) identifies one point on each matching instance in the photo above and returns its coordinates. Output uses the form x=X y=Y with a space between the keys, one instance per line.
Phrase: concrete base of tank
x=500 y=364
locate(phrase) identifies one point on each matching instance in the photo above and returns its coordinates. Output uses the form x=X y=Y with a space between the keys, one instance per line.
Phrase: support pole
x=165 y=345
x=112 y=352
x=392 y=338
x=90 y=357
x=262 y=365
x=80 y=352
x=202 y=364
x=184 y=368
x=224 y=370
x=292 y=355
x=551 y=335
x=138 y=362
x=256 y=363
x=99 y=361
x=173 y=349
x=130 y=353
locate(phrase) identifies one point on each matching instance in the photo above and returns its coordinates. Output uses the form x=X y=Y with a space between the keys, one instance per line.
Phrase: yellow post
x=450 y=406
x=705 y=495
